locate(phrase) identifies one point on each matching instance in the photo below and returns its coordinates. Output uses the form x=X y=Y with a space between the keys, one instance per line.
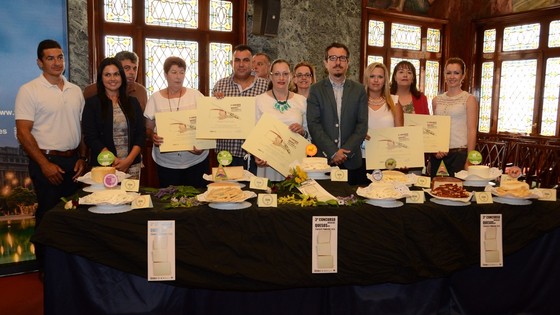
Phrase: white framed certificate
x=178 y=130
x=273 y=141
x=405 y=145
x=436 y=130
x=226 y=118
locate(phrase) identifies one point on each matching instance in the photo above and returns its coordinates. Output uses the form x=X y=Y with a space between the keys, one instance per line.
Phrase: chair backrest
x=540 y=163
x=494 y=153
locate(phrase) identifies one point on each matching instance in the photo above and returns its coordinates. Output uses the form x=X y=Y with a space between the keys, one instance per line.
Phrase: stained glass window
x=406 y=36
x=118 y=11
x=157 y=50
x=431 y=88
x=174 y=13
x=220 y=62
x=489 y=41
x=522 y=37
x=221 y=15
x=114 y=44
x=550 y=97
x=517 y=96
x=554 y=34
x=433 y=40
x=376 y=33
x=371 y=59
x=486 y=86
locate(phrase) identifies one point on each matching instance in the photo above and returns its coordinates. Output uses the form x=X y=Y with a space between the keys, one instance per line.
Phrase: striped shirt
x=232 y=89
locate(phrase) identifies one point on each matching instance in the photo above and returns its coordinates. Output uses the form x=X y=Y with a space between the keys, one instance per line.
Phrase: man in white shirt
x=48 y=113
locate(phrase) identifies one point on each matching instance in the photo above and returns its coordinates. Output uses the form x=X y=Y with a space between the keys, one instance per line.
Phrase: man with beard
x=337 y=114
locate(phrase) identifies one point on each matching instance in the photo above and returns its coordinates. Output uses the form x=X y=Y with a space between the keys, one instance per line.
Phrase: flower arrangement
x=309 y=201
x=293 y=180
x=70 y=202
x=178 y=196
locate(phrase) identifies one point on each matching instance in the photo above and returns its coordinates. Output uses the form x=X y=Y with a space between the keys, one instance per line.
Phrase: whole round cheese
x=482 y=171
x=99 y=172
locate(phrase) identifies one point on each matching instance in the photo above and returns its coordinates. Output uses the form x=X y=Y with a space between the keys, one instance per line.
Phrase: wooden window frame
x=138 y=30
x=541 y=54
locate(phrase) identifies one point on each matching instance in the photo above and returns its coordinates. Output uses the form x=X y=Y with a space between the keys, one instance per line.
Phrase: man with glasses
x=241 y=83
x=337 y=114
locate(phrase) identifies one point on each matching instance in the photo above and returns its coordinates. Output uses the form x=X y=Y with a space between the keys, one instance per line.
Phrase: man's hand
x=53 y=173
x=340 y=156
x=79 y=169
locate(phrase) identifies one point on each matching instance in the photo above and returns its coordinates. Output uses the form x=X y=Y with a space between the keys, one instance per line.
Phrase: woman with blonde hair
x=383 y=111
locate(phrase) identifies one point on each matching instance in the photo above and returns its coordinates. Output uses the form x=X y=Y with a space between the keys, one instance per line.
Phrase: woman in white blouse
x=287 y=106
x=179 y=167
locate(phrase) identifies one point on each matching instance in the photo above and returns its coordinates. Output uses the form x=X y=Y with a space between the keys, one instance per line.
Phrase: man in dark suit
x=337 y=115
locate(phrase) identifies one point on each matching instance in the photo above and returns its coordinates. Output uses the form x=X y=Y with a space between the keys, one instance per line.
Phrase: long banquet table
x=418 y=258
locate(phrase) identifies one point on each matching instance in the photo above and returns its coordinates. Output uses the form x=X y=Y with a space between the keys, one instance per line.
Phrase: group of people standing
x=62 y=129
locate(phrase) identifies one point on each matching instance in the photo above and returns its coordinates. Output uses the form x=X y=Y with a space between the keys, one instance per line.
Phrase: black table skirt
x=270 y=248
x=527 y=284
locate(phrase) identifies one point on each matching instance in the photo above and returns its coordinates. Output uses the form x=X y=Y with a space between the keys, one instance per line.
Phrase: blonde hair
x=386 y=91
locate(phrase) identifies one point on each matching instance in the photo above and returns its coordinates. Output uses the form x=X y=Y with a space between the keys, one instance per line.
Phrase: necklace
x=281 y=106
x=379 y=101
x=169 y=99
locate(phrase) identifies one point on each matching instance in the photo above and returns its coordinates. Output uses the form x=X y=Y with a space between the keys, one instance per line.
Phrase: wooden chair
x=494 y=153
x=540 y=163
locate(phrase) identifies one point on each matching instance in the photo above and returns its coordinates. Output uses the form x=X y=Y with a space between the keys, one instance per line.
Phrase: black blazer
x=98 y=132
x=323 y=123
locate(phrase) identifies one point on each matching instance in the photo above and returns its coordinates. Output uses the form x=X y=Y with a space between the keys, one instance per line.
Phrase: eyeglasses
x=334 y=58
x=280 y=74
x=304 y=75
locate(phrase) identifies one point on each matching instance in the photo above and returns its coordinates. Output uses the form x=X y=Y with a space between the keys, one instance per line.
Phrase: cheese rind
x=99 y=172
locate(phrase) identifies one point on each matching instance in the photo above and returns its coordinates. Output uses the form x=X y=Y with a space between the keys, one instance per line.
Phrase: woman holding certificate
x=287 y=106
x=177 y=167
x=383 y=111
x=113 y=121
x=462 y=107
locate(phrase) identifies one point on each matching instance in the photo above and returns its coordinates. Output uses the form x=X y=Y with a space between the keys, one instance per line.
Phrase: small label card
x=161 y=250
x=130 y=185
x=506 y=178
x=260 y=183
x=423 y=181
x=338 y=175
x=324 y=244
x=143 y=201
x=416 y=196
x=483 y=197
x=548 y=194
x=491 y=252
x=267 y=200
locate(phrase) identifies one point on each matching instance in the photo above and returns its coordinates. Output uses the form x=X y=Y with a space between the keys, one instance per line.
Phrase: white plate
x=385 y=203
x=229 y=205
x=477 y=183
x=465 y=200
x=512 y=201
x=105 y=209
x=448 y=202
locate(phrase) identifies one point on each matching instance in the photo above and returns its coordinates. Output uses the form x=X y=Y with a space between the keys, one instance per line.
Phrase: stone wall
x=306 y=28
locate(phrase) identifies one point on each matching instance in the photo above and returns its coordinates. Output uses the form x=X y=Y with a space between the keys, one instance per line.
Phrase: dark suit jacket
x=323 y=123
x=98 y=132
